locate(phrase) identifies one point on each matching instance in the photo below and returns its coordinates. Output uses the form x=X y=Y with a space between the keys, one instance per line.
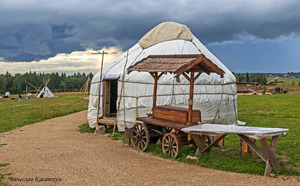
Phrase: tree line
x=260 y=79
x=16 y=84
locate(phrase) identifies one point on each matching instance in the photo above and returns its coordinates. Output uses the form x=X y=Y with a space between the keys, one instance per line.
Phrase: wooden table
x=200 y=132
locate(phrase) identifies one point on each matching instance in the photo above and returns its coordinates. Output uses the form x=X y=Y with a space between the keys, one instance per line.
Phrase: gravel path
x=54 y=152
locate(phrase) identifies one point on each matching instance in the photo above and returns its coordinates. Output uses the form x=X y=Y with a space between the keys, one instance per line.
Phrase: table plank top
x=252 y=132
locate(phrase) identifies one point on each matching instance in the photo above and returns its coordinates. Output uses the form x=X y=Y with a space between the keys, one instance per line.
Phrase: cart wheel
x=167 y=129
x=170 y=144
x=140 y=136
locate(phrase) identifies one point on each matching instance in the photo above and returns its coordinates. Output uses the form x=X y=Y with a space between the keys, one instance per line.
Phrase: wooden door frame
x=106 y=97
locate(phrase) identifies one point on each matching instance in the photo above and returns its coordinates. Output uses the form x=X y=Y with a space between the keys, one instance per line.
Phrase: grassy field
x=14 y=114
x=280 y=111
x=287 y=81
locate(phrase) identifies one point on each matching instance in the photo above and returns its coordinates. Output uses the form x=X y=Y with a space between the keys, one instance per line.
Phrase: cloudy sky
x=65 y=36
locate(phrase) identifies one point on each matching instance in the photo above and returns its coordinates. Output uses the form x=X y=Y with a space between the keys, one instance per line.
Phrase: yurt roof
x=184 y=42
x=176 y=64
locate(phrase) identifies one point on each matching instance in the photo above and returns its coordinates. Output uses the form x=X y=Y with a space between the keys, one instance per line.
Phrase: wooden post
x=208 y=148
x=136 y=108
x=156 y=78
x=252 y=145
x=155 y=89
x=100 y=80
x=244 y=148
x=120 y=96
x=270 y=155
x=191 y=97
x=200 y=142
x=273 y=148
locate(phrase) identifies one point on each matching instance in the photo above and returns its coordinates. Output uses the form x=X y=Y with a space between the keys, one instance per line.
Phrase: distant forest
x=283 y=75
x=58 y=82
x=260 y=79
x=72 y=83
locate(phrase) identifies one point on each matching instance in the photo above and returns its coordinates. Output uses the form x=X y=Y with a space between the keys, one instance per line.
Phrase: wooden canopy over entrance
x=190 y=66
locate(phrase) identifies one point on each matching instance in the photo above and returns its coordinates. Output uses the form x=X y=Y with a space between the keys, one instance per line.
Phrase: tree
x=17 y=84
x=62 y=86
x=293 y=83
x=247 y=77
x=3 y=84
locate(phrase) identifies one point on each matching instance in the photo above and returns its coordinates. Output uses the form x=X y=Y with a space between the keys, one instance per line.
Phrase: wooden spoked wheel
x=170 y=144
x=140 y=136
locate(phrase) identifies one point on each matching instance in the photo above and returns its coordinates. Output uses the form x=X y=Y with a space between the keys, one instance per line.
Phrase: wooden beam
x=198 y=68
x=252 y=145
x=191 y=98
x=212 y=67
x=32 y=86
x=207 y=64
x=273 y=148
x=152 y=74
x=156 y=78
x=99 y=91
x=186 y=68
x=208 y=148
x=200 y=142
x=160 y=75
x=199 y=73
x=270 y=155
x=186 y=76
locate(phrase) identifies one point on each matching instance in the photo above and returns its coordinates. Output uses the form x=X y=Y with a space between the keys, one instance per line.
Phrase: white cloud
x=79 y=61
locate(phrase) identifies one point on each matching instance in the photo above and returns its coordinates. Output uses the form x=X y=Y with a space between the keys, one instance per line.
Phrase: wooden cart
x=166 y=122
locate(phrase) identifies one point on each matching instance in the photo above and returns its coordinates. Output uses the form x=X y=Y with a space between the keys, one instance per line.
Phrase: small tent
x=6 y=95
x=214 y=96
x=45 y=93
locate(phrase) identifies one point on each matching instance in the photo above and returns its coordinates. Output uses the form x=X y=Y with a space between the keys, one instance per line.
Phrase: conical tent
x=45 y=93
x=214 y=96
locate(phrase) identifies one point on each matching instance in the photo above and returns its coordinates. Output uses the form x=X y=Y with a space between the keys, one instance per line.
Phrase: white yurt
x=214 y=96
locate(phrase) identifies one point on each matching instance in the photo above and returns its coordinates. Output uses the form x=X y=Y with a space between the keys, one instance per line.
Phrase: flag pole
x=100 y=84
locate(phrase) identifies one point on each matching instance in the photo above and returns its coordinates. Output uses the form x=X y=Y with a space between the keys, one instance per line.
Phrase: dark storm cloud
x=39 y=29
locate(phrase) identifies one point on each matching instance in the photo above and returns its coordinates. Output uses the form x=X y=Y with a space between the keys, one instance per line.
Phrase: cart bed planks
x=176 y=114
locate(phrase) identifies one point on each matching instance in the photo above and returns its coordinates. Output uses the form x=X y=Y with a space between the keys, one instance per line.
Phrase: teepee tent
x=214 y=96
x=45 y=93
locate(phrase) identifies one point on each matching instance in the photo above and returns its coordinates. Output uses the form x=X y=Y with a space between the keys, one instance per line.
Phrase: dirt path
x=55 y=149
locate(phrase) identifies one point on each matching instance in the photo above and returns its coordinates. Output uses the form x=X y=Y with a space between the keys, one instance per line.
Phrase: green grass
x=84 y=128
x=14 y=114
x=279 y=111
x=287 y=81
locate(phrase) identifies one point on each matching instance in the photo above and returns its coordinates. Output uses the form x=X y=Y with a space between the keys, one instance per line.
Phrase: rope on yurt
x=219 y=105
x=173 y=89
